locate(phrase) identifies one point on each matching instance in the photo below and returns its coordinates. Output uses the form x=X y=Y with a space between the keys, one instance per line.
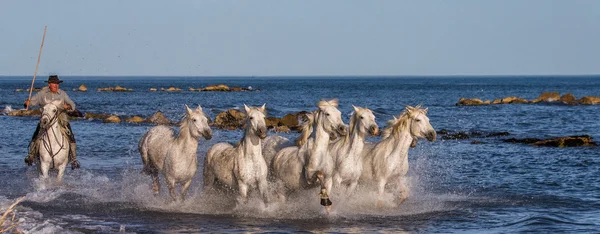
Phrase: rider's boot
x=33 y=151
x=73 y=156
x=72 y=147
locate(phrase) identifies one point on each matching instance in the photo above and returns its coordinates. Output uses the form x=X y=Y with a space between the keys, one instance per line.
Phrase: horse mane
x=307 y=128
x=353 y=119
x=395 y=125
x=323 y=103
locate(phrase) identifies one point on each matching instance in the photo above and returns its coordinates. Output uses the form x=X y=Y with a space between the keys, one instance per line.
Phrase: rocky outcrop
x=134 y=119
x=568 y=99
x=470 y=102
x=112 y=119
x=95 y=116
x=561 y=142
x=158 y=118
x=82 y=88
x=589 y=100
x=547 y=97
x=115 y=89
x=33 y=112
x=222 y=88
x=171 y=89
x=230 y=119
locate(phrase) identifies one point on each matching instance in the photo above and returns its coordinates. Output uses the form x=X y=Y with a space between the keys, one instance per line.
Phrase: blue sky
x=290 y=38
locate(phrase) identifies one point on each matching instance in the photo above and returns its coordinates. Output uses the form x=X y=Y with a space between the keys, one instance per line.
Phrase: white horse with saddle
x=386 y=163
x=54 y=146
x=310 y=165
x=174 y=157
x=242 y=167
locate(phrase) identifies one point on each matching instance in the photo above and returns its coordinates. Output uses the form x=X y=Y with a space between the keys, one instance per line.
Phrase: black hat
x=54 y=79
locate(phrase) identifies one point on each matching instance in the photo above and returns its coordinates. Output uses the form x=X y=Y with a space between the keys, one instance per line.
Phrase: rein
x=46 y=139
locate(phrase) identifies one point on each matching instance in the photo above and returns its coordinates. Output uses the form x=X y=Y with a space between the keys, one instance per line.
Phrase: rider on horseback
x=49 y=94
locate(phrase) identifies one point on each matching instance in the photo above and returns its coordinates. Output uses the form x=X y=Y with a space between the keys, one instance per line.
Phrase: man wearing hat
x=49 y=94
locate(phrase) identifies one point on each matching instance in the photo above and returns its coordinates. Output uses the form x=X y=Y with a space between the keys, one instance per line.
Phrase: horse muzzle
x=207 y=135
x=430 y=136
x=374 y=130
x=262 y=133
x=342 y=130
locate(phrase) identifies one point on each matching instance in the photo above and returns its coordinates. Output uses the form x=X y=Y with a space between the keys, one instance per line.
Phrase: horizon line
x=323 y=76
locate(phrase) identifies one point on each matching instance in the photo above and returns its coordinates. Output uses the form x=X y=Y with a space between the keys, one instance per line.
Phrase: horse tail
x=209 y=176
x=143 y=149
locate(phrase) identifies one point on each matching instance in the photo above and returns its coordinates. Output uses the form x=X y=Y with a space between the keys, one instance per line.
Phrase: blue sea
x=456 y=186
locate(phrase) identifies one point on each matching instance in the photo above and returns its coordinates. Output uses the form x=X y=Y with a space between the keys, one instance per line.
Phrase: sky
x=300 y=38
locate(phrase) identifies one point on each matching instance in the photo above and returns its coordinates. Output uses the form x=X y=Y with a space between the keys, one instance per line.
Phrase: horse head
x=255 y=121
x=50 y=112
x=330 y=118
x=419 y=124
x=197 y=121
x=363 y=120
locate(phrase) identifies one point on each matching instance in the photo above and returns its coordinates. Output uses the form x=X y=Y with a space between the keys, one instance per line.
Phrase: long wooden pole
x=36 y=66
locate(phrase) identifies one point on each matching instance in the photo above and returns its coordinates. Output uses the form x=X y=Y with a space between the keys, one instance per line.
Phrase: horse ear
x=262 y=108
x=426 y=110
x=409 y=109
x=189 y=111
x=334 y=102
x=246 y=108
x=355 y=108
x=199 y=108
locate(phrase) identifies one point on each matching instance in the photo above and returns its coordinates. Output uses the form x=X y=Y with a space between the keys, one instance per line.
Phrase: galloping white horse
x=174 y=157
x=346 y=151
x=387 y=161
x=54 y=147
x=275 y=143
x=242 y=167
x=301 y=167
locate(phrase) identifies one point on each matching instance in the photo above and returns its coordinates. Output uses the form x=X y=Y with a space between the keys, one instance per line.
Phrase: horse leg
x=337 y=180
x=380 y=190
x=171 y=185
x=44 y=167
x=184 y=188
x=243 y=192
x=61 y=172
x=403 y=191
x=263 y=189
x=352 y=187
x=155 y=183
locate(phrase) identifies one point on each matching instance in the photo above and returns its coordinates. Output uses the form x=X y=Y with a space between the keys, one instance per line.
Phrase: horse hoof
x=75 y=165
x=28 y=161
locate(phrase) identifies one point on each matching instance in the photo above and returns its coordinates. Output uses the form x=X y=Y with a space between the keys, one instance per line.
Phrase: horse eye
x=362 y=117
x=418 y=120
x=327 y=114
x=194 y=120
x=251 y=117
x=53 y=110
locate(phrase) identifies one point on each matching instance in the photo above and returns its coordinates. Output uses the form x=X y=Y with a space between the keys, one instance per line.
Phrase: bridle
x=46 y=136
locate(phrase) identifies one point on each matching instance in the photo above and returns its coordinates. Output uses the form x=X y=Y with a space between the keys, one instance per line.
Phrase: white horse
x=54 y=146
x=242 y=167
x=346 y=151
x=302 y=167
x=174 y=156
x=387 y=161
x=274 y=143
